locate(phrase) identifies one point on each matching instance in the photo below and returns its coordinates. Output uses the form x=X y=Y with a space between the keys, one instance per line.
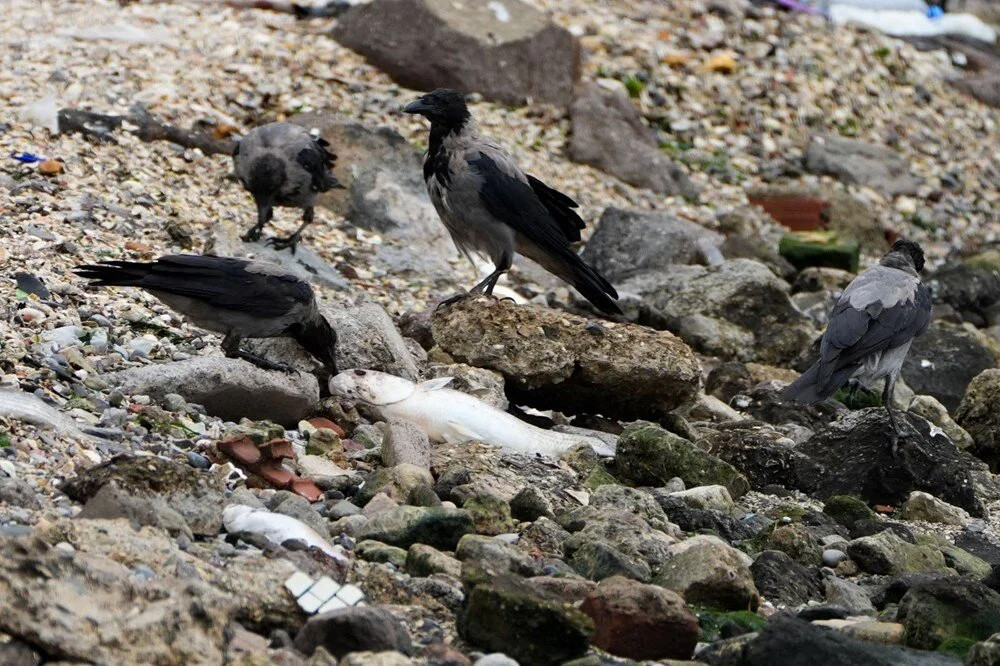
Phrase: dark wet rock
x=529 y=504
x=945 y=359
x=794 y=642
x=847 y=595
x=893 y=589
x=885 y=553
x=632 y=537
x=627 y=242
x=194 y=495
x=727 y=380
x=354 y=629
x=847 y=510
x=640 y=621
x=423 y=560
x=859 y=163
x=710 y=573
x=16 y=492
x=737 y=310
x=760 y=452
x=496 y=556
x=228 y=388
x=980 y=545
x=569 y=363
x=972 y=291
x=597 y=561
x=796 y=541
x=873 y=526
x=531 y=626
x=375 y=551
x=490 y=514
x=978 y=414
x=690 y=519
x=762 y=403
x=406 y=525
x=854 y=456
x=424 y=45
x=648 y=455
x=608 y=133
x=780 y=579
x=936 y=611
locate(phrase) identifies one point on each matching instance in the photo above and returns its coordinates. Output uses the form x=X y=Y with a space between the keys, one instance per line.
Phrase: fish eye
x=359 y=373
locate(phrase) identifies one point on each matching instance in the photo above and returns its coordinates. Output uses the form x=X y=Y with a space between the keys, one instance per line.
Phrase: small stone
x=722 y=62
x=530 y=504
x=707 y=497
x=832 y=557
x=50 y=167
x=924 y=506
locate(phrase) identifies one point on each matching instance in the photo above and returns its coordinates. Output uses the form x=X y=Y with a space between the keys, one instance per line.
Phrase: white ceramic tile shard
x=325 y=594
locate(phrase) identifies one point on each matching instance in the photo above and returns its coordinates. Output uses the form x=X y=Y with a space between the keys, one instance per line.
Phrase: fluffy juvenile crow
x=492 y=208
x=282 y=164
x=235 y=297
x=870 y=330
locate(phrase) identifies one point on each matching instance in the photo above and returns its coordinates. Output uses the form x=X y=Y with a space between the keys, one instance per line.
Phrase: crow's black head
x=319 y=339
x=912 y=250
x=442 y=107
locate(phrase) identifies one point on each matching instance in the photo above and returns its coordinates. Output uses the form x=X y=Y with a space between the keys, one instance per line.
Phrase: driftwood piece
x=138 y=121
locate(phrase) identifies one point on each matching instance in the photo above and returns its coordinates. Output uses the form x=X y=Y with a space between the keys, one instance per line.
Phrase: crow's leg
x=502 y=266
x=291 y=241
x=264 y=215
x=897 y=434
x=231 y=347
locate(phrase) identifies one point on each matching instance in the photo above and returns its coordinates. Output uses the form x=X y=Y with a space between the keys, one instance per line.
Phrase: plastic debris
x=43 y=113
x=325 y=594
x=901 y=23
x=26 y=158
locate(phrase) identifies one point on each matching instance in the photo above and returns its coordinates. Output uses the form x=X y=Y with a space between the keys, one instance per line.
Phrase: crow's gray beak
x=418 y=106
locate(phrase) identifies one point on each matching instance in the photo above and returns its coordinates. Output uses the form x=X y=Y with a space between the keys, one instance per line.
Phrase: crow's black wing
x=257 y=289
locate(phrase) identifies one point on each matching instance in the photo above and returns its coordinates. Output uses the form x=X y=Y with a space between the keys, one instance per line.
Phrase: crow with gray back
x=282 y=164
x=870 y=330
x=238 y=298
x=492 y=208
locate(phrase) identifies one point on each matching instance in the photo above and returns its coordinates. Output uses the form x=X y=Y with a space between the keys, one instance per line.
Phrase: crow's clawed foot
x=451 y=300
x=281 y=243
x=263 y=363
x=252 y=236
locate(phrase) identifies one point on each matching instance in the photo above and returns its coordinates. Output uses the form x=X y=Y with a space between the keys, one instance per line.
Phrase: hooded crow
x=282 y=164
x=238 y=298
x=492 y=208
x=870 y=330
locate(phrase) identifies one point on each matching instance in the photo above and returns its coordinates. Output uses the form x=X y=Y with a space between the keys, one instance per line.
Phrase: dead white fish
x=451 y=416
x=276 y=527
x=29 y=408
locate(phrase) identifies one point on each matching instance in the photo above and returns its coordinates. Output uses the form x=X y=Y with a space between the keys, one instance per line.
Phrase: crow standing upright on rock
x=870 y=330
x=282 y=164
x=236 y=297
x=492 y=208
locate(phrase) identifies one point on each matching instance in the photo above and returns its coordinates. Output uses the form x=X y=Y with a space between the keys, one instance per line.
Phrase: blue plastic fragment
x=934 y=11
x=26 y=158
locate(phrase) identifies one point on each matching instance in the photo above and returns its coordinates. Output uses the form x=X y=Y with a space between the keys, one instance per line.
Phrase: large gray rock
x=405 y=442
x=887 y=554
x=228 y=388
x=860 y=163
x=158 y=492
x=555 y=360
x=736 y=310
x=946 y=358
x=507 y=51
x=710 y=573
x=609 y=134
x=628 y=242
x=955 y=608
x=979 y=415
x=385 y=192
